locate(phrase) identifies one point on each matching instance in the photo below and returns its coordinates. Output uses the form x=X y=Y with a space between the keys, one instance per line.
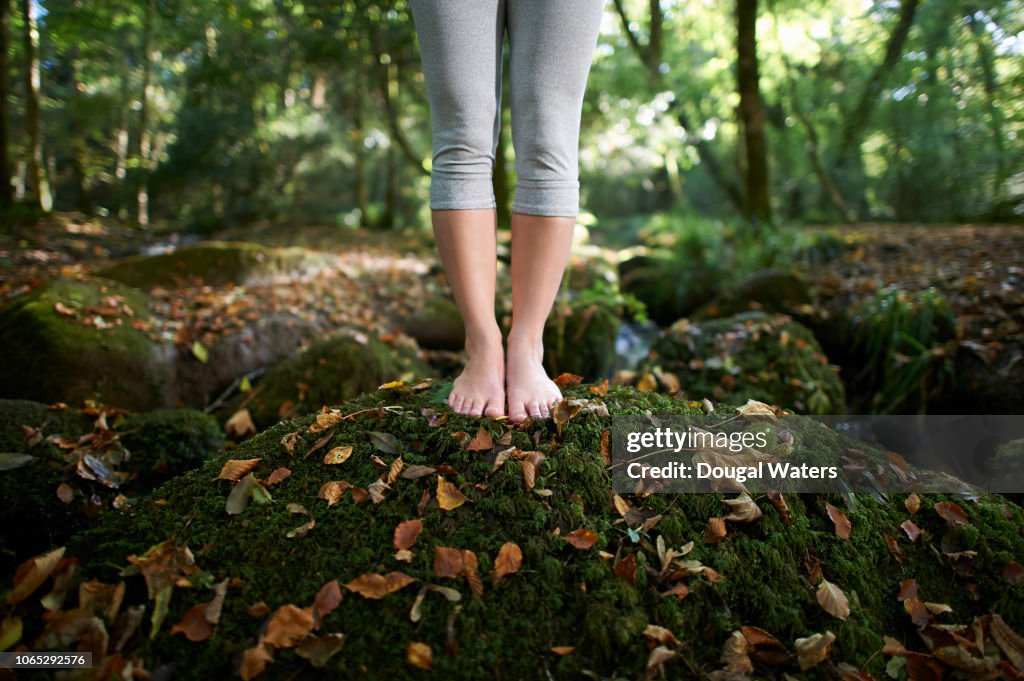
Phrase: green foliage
x=906 y=342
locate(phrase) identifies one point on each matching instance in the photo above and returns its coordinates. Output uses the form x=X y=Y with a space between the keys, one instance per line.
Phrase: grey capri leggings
x=551 y=46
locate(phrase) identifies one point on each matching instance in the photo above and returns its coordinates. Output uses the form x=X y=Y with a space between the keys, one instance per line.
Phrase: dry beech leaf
x=744 y=509
x=714 y=531
x=562 y=650
x=338 y=454
x=32 y=573
x=301 y=530
x=319 y=649
x=951 y=513
x=1014 y=573
x=625 y=569
x=447 y=561
x=254 y=660
x=395 y=470
x=736 y=654
x=327 y=599
x=332 y=491
x=376 y=490
x=509 y=560
x=404 y=555
x=832 y=599
x=376 y=586
x=416 y=471
x=419 y=655
x=661 y=635
x=234 y=469
x=276 y=476
x=407 y=532
x=912 y=530
x=481 y=442
x=582 y=538
x=448 y=495
x=530 y=463
x=288 y=626
x=912 y=503
x=779 y=502
x=565 y=379
x=813 y=649
x=840 y=520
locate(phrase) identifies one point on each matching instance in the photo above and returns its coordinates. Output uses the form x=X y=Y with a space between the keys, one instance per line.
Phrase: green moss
x=167 y=442
x=215 y=263
x=51 y=357
x=753 y=355
x=562 y=595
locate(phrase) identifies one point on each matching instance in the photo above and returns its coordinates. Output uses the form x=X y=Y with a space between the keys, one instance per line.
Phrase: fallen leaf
x=1014 y=573
x=779 y=502
x=814 y=649
x=736 y=654
x=912 y=503
x=894 y=548
x=327 y=599
x=840 y=520
x=661 y=635
x=448 y=495
x=481 y=441
x=415 y=471
x=376 y=490
x=447 y=561
x=332 y=491
x=582 y=538
x=714 y=531
x=234 y=469
x=1009 y=641
x=562 y=650
x=565 y=379
x=288 y=626
x=376 y=586
x=452 y=595
x=276 y=476
x=319 y=649
x=240 y=424
x=419 y=655
x=625 y=569
x=301 y=530
x=832 y=599
x=744 y=509
x=384 y=442
x=65 y=493
x=254 y=660
x=338 y=454
x=908 y=590
x=529 y=463
x=509 y=560
x=407 y=532
x=32 y=573
x=912 y=530
x=951 y=512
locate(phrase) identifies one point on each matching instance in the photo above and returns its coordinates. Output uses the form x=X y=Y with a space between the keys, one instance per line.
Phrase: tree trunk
x=6 y=195
x=37 y=190
x=756 y=203
x=359 y=151
x=142 y=140
x=986 y=62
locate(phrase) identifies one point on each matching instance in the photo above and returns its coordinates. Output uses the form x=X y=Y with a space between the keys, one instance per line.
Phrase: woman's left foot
x=530 y=392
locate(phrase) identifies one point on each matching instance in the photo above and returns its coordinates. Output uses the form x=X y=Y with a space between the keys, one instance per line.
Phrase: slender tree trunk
x=986 y=62
x=38 y=193
x=6 y=195
x=757 y=204
x=359 y=149
x=142 y=150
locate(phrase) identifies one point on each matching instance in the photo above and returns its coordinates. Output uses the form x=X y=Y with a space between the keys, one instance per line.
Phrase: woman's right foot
x=480 y=389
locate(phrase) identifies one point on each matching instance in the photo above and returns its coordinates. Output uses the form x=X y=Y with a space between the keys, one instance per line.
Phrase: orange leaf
x=332 y=491
x=563 y=380
x=194 y=624
x=481 y=442
x=562 y=650
x=912 y=530
x=32 y=573
x=832 y=599
x=448 y=495
x=407 y=532
x=913 y=503
x=254 y=660
x=840 y=520
x=530 y=462
x=419 y=655
x=582 y=539
x=288 y=626
x=377 y=586
x=234 y=469
x=714 y=531
x=447 y=561
x=327 y=599
x=276 y=476
x=626 y=569
x=951 y=513
x=509 y=560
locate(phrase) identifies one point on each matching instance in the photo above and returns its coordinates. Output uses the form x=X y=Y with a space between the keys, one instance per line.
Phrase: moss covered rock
x=579 y=337
x=139 y=451
x=74 y=339
x=565 y=593
x=753 y=355
x=670 y=287
x=218 y=262
x=331 y=370
x=437 y=325
x=768 y=290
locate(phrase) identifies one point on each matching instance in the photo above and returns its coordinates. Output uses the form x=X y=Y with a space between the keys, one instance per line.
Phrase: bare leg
x=466 y=241
x=540 y=251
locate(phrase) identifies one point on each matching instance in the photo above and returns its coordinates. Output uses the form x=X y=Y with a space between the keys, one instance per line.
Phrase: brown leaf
x=396 y=469
x=912 y=530
x=319 y=649
x=661 y=635
x=1014 y=573
x=565 y=379
x=327 y=599
x=481 y=441
x=415 y=471
x=813 y=649
x=407 y=532
x=894 y=548
x=276 y=476
x=606 y=447
x=240 y=424
x=912 y=503
x=338 y=454
x=919 y=614
x=234 y=469
x=840 y=520
x=832 y=599
x=448 y=495
x=254 y=660
x=469 y=566
x=759 y=637
x=680 y=591
x=908 y=590
x=715 y=530
x=194 y=624
x=377 y=586
x=1009 y=641
x=951 y=513
x=736 y=654
x=65 y=493
x=332 y=491
x=625 y=569
x=779 y=502
x=376 y=490
x=32 y=573
x=288 y=626
x=562 y=650
x=509 y=560
x=582 y=538
x=419 y=655
x=744 y=509
x=447 y=561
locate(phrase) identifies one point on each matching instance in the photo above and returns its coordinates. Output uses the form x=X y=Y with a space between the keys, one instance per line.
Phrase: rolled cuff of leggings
x=461 y=191
x=556 y=198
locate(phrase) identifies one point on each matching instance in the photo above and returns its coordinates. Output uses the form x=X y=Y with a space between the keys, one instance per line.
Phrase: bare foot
x=480 y=389
x=530 y=391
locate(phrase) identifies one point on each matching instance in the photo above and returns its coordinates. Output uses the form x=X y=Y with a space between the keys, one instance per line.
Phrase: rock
x=219 y=262
x=753 y=355
x=579 y=338
x=330 y=371
x=990 y=382
x=669 y=287
x=597 y=604
x=767 y=290
x=149 y=448
x=437 y=325
x=91 y=351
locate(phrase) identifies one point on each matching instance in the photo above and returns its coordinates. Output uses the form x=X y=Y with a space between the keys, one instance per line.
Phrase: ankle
x=530 y=344
x=483 y=340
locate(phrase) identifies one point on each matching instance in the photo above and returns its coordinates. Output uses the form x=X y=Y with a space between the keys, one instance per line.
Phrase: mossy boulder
x=436 y=324
x=331 y=370
x=765 y=573
x=219 y=262
x=76 y=339
x=669 y=286
x=148 y=448
x=768 y=290
x=579 y=337
x=752 y=355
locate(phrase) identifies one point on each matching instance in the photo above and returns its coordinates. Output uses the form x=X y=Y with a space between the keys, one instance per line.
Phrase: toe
x=533 y=408
x=545 y=410
x=516 y=412
x=475 y=408
x=456 y=402
x=492 y=409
